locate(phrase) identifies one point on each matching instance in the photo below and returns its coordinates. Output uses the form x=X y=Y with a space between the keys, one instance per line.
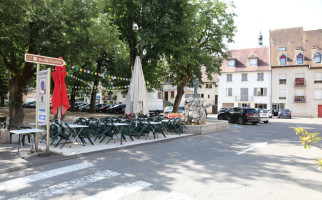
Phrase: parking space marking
x=254 y=146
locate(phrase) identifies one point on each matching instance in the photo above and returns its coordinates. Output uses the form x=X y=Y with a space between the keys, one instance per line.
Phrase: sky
x=255 y=16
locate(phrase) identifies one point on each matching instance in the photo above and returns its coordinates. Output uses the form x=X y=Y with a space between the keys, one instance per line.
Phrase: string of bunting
x=103 y=75
x=104 y=88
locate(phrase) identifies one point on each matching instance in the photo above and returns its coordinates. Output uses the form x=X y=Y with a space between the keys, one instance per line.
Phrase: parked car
x=222 y=110
x=104 y=108
x=181 y=109
x=99 y=106
x=116 y=109
x=263 y=114
x=240 y=115
x=27 y=104
x=285 y=113
x=85 y=108
x=269 y=112
x=275 y=112
x=168 y=110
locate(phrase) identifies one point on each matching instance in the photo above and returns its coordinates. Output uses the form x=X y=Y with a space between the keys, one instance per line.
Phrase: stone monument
x=195 y=107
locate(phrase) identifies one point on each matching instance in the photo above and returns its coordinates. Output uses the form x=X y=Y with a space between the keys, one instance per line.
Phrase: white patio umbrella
x=137 y=99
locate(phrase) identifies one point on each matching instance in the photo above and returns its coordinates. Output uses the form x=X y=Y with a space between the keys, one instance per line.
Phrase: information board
x=42 y=95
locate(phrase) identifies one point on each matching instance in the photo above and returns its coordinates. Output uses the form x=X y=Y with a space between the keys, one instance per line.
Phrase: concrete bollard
x=4 y=136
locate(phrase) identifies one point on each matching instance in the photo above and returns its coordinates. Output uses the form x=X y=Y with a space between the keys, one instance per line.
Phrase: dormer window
x=317 y=57
x=231 y=63
x=283 y=58
x=299 y=58
x=253 y=62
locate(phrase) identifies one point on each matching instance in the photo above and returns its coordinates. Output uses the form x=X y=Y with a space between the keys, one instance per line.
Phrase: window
x=318 y=94
x=208 y=96
x=244 y=77
x=318 y=77
x=299 y=79
x=283 y=59
x=282 y=94
x=299 y=58
x=299 y=95
x=243 y=94
x=260 y=76
x=229 y=92
x=282 y=78
x=282 y=49
x=202 y=96
x=172 y=94
x=260 y=91
x=229 y=77
x=317 y=57
x=231 y=63
x=208 y=85
x=253 y=62
x=188 y=95
x=159 y=95
x=299 y=48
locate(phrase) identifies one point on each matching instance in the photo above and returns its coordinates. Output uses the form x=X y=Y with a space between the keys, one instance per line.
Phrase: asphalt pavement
x=246 y=162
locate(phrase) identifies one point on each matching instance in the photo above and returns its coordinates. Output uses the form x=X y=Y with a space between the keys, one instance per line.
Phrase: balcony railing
x=299 y=99
x=244 y=98
x=299 y=82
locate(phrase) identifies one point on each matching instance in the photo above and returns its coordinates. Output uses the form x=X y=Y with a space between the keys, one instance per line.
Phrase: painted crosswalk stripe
x=67 y=186
x=120 y=191
x=20 y=182
x=176 y=196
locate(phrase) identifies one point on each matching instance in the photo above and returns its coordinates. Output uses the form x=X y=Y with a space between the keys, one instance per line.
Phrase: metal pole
x=48 y=110
x=37 y=85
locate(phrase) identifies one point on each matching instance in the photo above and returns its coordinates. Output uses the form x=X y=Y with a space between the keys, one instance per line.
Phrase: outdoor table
x=153 y=126
x=75 y=126
x=119 y=129
x=43 y=126
x=26 y=132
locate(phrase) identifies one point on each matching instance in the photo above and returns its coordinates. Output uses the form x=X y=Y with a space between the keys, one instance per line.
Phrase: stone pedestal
x=195 y=110
x=4 y=136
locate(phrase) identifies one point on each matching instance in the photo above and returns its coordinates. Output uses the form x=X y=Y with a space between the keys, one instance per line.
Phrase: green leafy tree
x=310 y=139
x=45 y=27
x=175 y=37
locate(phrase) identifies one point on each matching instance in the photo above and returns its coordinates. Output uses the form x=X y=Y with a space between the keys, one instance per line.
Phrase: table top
x=39 y=124
x=25 y=131
x=153 y=123
x=77 y=126
x=165 y=120
x=120 y=124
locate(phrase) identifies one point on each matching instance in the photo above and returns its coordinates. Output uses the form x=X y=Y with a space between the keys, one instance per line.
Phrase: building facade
x=245 y=79
x=295 y=57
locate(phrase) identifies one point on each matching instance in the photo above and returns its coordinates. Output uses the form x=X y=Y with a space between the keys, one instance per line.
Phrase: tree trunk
x=2 y=101
x=16 y=114
x=180 y=91
x=93 y=99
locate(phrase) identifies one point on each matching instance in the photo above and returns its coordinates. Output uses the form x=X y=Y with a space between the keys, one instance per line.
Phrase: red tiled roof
x=205 y=78
x=242 y=56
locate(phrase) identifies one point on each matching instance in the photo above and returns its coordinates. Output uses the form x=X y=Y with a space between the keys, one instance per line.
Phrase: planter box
x=209 y=127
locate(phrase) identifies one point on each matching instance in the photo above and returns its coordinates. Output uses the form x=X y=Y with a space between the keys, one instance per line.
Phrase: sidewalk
x=11 y=161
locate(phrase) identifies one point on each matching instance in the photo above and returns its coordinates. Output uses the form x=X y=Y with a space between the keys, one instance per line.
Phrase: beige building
x=295 y=57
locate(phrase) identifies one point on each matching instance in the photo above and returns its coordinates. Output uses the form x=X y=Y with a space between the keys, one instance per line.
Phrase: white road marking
x=20 y=182
x=176 y=196
x=67 y=186
x=259 y=145
x=120 y=191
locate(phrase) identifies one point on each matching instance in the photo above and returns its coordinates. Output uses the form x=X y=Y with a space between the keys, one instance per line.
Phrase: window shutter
x=299 y=92
x=265 y=91
x=282 y=76
x=318 y=94
x=255 y=91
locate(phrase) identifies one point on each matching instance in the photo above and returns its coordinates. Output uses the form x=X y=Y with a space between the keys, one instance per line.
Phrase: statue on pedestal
x=195 y=85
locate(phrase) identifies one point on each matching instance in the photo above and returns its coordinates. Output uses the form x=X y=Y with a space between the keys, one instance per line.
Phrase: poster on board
x=42 y=95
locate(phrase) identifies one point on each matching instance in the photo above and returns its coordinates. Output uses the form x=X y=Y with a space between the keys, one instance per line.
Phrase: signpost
x=43 y=91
